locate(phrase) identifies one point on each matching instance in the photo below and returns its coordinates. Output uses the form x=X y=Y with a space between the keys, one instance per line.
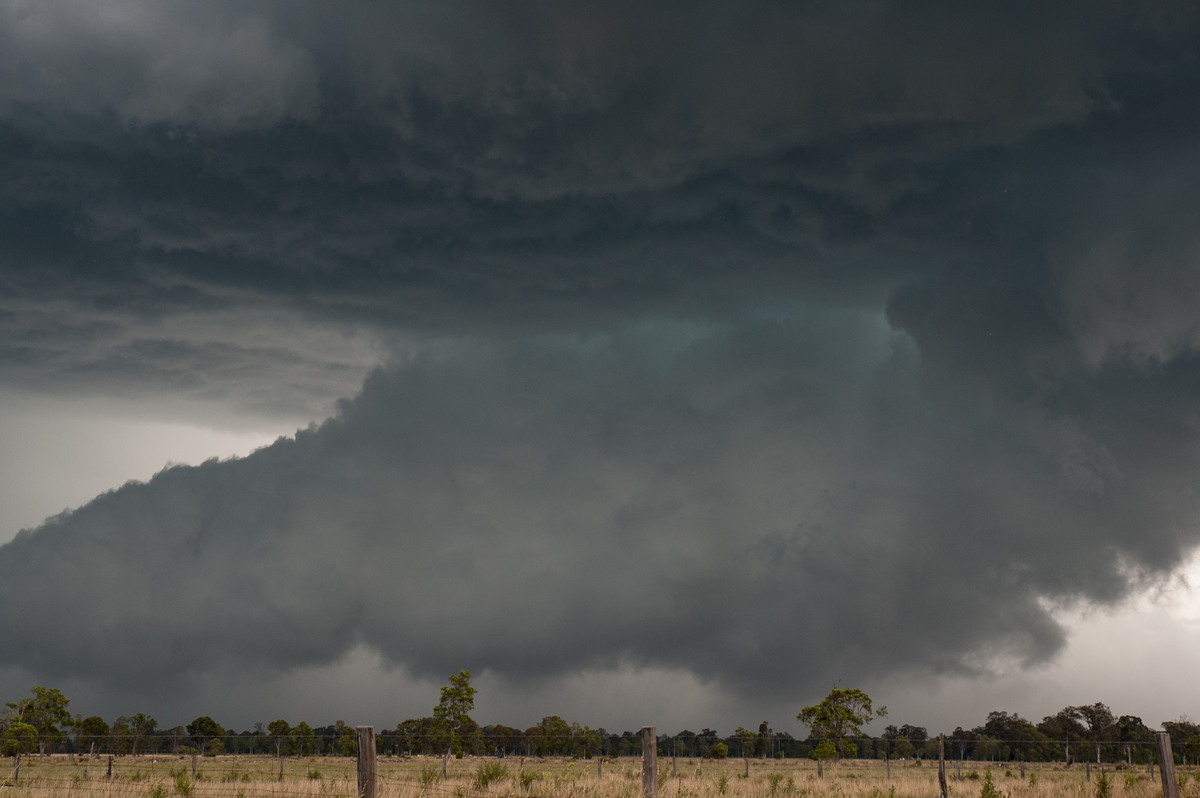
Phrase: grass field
x=418 y=777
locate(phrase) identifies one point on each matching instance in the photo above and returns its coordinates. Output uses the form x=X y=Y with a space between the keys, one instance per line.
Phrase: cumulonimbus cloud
x=744 y=502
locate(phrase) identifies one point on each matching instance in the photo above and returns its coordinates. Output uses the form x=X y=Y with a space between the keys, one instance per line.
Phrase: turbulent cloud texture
x=734 y=341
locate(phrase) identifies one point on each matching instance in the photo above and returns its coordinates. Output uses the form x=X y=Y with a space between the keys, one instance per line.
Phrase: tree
x=17 y=739
x=280 y=733
x=825 y=750
x=345 y=740
x=1063 y=726
x=717 y=750
x=840 y=717
x=904 y=748
x=208 y=734
x=1028 y=742
x=1182 y=731
x=1100 y=723
x=552 y=736
x=90 y=731
x=119 y=736
x=585 y=741
x=176 y=735
x=303 y=739
x=453 y=712
x=46 y=711
x=500 y=740
x=129 y=731
x=765 y=736
x=141 y=726
x=746 y=740
x=1134 y=736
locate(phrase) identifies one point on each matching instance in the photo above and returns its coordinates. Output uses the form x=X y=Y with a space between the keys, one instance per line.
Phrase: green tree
x=208 y=735
x=501 y=740
x=176 y=735
x=46 y=711
x=764 y=739
x=717 y=750
x=141 y=726
x=453 y=713
x=585 y=741
x=119 y=736
x=1028 y=742
x=280 y=732
x=840 y=717
x=1135 y=737
x=345 y=741
x=553 y=736
x=304 y=739
x=1100 y=724
x=419 y=736
x=826 y=750
x=91 y=731
x=17 y=739
x=746 y=740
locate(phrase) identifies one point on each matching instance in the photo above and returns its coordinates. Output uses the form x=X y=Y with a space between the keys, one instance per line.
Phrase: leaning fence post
x=649 y=762
x=367 y=773
x=1166 y=765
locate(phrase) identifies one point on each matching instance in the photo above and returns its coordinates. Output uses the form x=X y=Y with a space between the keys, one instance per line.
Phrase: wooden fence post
x=367 y=772
x=942 y=766
x=1166 y=765
x=649 y=762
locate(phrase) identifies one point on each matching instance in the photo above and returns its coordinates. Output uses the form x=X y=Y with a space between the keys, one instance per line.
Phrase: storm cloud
x=725 y=341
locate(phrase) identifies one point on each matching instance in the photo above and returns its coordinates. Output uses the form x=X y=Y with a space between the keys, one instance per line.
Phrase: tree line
x=42 y=723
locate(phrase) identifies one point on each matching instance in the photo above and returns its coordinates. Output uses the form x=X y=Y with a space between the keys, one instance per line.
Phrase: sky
x=661 y=364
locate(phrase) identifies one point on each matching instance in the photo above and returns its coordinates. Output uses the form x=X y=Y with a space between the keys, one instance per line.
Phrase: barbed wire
x=160 y=744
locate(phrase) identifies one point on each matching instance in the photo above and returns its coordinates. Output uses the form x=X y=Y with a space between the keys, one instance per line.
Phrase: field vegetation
x=151 y=776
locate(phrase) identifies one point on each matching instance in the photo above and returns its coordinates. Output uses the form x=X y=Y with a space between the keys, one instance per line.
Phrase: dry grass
x=418 y=777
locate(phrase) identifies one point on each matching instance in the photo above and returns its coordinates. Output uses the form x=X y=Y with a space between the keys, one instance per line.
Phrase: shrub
x=989 y=790
x=489 y=772
x=526 y=778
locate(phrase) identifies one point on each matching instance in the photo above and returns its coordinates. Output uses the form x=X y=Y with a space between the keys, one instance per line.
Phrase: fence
x=368 y=775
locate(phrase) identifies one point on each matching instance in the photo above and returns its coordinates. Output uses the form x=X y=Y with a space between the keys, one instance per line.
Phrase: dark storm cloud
x=764 y=504
x=748 y=503
x=799 y=324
